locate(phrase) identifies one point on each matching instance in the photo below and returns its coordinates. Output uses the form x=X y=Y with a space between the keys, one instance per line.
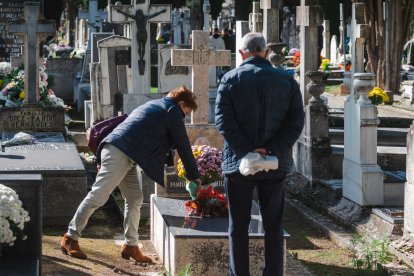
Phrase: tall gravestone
x=139 y=15
x=94 y=18
x=362 y=177
x=309 y=18
x=314 y=146
x=326 y=51
x=206 y=15
x=271 y=19
x=30 y=116
x=409 y=187
x=110 y=77
x=242 y=28
x=10 y=10
x=256 y=18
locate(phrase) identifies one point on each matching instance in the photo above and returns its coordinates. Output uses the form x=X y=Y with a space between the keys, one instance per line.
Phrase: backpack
x=99 y=131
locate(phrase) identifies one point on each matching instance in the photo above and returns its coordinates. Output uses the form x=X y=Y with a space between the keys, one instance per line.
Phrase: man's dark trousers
x=271 y=193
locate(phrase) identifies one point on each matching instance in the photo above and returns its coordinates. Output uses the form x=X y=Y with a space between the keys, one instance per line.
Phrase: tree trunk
x=376 y=45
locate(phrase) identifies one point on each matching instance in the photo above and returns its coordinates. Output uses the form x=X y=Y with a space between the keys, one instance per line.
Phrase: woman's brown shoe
x=133 y=252
x=71 y=247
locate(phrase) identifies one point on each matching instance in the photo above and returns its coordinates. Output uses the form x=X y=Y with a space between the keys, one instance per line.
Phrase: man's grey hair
x=253 y=43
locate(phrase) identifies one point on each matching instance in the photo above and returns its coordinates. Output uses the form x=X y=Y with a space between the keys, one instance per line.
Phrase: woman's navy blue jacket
x=148 y=134
x=258 y=106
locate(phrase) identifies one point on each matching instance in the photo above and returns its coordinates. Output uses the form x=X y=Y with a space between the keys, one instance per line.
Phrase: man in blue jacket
x=259 y=109
x=144 y=139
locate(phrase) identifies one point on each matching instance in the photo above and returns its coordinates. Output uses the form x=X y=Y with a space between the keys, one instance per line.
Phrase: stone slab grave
x=56 y=160
x=25 y=256
x=64 y=177
x=180 y=239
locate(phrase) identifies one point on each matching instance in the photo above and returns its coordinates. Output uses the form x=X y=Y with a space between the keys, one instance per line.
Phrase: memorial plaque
x=32 y=117
x=176 y=185
x=10 y=10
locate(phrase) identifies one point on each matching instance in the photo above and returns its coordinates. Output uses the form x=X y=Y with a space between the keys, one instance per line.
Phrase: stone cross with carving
x=30 y=27
x=141 y=78
x=271 y=19
x=309 y=18
x=95 y=18
x=200 y=57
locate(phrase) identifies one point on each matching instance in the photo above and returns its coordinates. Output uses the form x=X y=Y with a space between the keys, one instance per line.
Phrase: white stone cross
x=358 y=38
x=31 y=28
x=200 y=57
x=271 y=19
x=94 y=16
x=256 y=18
x=206 y=12
x=117 y=14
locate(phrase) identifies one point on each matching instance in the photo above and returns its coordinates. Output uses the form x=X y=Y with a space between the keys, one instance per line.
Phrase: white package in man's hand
x=254 y=162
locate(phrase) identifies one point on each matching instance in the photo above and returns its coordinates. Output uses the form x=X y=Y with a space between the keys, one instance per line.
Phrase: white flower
x=11 y=213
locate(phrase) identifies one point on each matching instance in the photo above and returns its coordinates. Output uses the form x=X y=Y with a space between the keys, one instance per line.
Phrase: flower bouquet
x=378 y=96
x=207 y=201
x=12 y=216
x=12 y=88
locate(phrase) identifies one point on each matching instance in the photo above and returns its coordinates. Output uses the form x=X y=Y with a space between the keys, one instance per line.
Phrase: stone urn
x=315 y=87
x=363 y=84
x=276 y=57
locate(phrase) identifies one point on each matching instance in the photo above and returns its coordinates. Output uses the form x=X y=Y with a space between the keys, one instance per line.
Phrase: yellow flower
x=378 y=96
x=22 y=95
x=1 y=82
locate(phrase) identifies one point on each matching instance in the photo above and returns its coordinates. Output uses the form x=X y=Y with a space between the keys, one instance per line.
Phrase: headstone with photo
x=17 y=60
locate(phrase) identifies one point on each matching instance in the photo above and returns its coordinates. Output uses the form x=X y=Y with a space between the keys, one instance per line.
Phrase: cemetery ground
x=310 y=251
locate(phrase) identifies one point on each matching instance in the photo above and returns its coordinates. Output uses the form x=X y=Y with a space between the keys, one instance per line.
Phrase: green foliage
x=373 y=253
x=186 y=271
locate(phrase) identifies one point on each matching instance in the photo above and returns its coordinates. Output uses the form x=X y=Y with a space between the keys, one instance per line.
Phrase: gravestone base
x=363 y=184
x=203 y=242
x=64 y=177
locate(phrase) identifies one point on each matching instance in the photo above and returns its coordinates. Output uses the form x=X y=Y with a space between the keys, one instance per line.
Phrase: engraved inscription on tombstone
x=31 y=117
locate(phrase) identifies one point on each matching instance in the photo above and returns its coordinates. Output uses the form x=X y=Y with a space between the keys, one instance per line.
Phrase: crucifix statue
x=142 y=35
x=139 y=16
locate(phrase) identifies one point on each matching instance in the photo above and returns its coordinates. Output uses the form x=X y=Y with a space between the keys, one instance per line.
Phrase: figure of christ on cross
x=141 y=23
